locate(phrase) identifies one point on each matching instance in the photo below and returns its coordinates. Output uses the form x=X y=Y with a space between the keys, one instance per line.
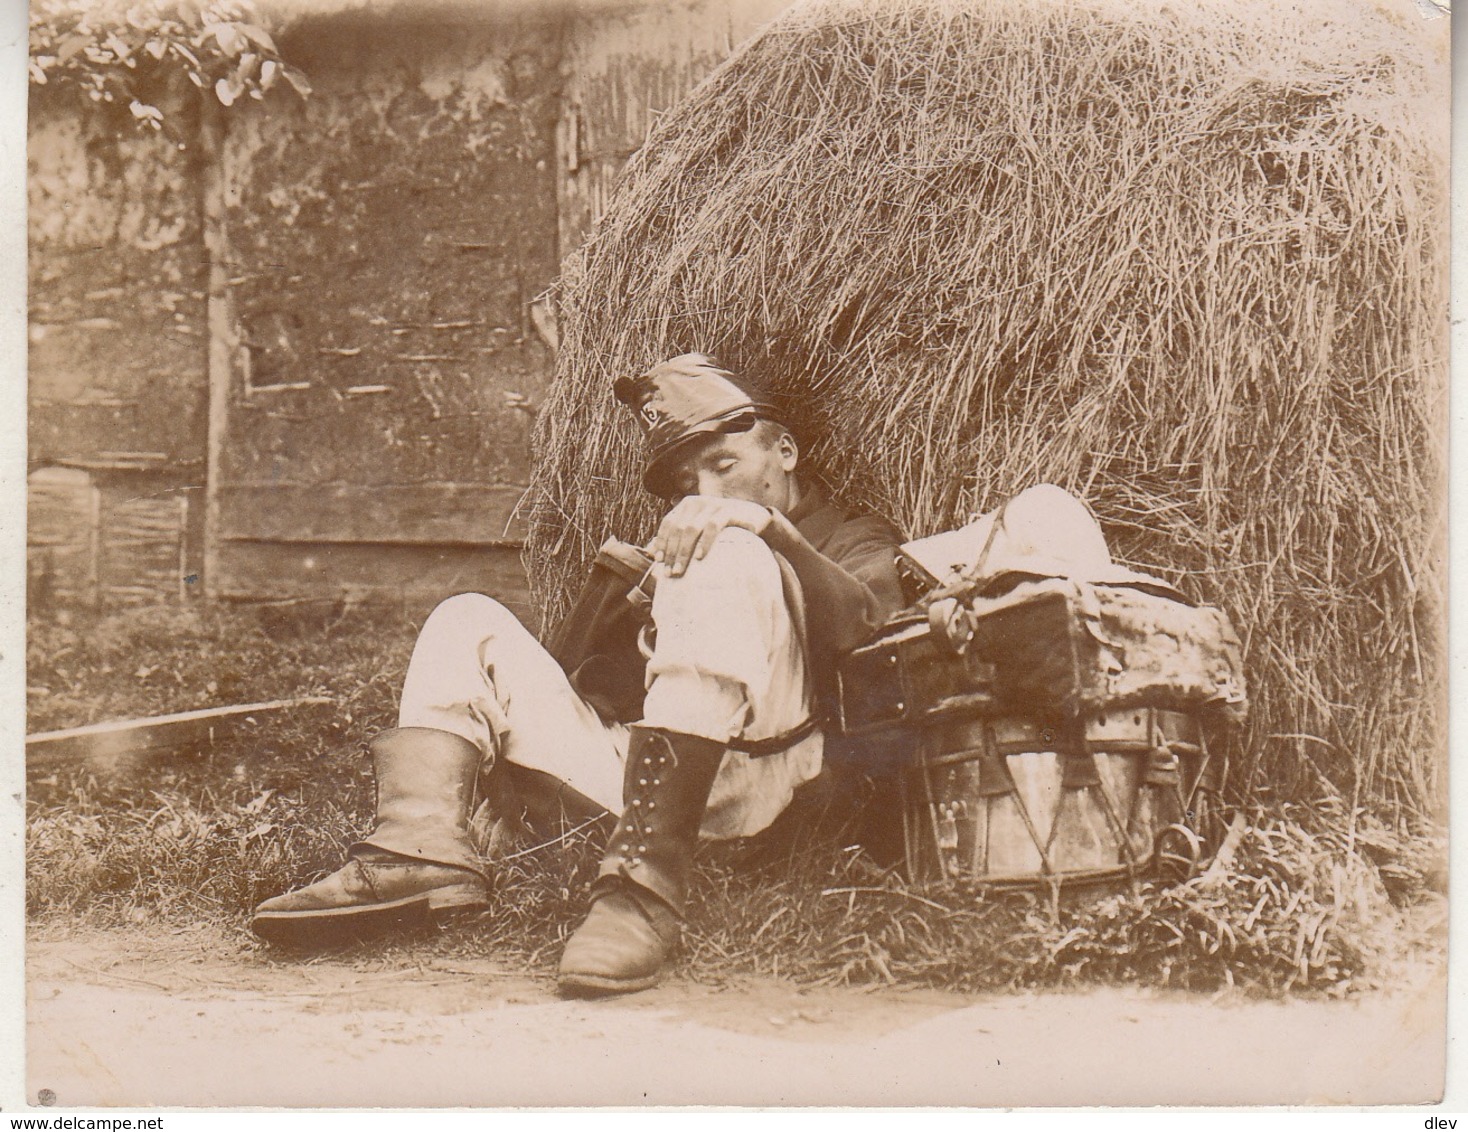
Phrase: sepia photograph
x=735 y=553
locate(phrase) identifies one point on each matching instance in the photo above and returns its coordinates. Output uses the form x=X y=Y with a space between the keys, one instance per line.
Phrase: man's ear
x=789 y=451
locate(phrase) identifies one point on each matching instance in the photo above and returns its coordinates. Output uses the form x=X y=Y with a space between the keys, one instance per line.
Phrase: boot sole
x=324 y=927
x=600 y=986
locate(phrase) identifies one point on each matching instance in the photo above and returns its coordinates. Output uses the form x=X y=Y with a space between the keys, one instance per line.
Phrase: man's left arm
x=850 y=582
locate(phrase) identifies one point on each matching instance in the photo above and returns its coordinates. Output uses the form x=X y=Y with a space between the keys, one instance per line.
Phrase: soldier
x=694 y=717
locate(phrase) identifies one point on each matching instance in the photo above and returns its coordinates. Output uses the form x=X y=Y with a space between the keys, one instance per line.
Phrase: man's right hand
x=689 y=530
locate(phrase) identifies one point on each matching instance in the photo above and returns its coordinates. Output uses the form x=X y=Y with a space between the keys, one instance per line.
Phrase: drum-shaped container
x=1008 y=801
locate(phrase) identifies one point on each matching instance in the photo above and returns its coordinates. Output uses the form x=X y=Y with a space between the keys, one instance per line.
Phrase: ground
x=810 y=978
x=195 y=1018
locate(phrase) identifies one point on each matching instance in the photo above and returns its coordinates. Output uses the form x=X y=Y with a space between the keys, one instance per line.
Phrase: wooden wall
x=319 y=323
x=116 y=277
x=386 y=239
x=108 y=536
x=624 y=65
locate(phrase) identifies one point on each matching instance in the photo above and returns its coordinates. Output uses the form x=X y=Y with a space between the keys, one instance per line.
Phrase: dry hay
x=1186 y=260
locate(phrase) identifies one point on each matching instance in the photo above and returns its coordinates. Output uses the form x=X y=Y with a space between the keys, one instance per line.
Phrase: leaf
x=259 y=36
x=297 y=79
x=230 y=41
x=38 y=73
x=227 y=90
x=70 y=46
x=156 y=48
x=269 y=71
x=186 y=53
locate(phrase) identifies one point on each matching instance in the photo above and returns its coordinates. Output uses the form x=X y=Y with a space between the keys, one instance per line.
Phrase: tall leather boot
x=640 y=894
x=418 y=860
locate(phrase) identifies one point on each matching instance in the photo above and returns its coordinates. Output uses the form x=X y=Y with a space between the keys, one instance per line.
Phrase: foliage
x=123 y=52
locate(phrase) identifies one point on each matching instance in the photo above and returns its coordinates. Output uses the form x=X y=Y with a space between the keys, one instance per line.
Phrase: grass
x=1297 y=911
x=86 y=668
x=210 y=831
x=1317 y=900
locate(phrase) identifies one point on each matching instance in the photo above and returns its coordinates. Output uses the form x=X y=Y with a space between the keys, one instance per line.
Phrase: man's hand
x=688 y=531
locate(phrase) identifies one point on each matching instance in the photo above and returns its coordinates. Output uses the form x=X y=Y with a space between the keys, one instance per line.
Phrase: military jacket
x=846 y=566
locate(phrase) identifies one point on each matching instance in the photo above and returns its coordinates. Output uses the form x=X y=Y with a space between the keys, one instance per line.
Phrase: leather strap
x=764 y=748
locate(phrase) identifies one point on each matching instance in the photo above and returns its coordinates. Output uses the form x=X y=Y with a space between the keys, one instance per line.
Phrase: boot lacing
x=639 y=812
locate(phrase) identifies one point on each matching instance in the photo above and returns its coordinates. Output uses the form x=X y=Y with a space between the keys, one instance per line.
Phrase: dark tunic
x=847 y=568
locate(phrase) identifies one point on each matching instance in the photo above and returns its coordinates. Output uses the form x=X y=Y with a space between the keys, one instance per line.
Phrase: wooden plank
x=415 y=576
x=101 y=742
x=463 y=513
x=625 y=65
x=181 y=579
x=94 y=546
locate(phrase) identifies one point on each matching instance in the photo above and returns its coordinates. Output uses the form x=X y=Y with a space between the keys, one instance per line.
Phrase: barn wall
x=378 y=347
x=113 y=536
x=387 y=239
x=116 y=360
x=117 y=278
x=624 y=66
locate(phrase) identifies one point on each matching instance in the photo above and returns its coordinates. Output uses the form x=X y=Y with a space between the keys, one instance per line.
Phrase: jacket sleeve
x=850 y=584
x=596 y=644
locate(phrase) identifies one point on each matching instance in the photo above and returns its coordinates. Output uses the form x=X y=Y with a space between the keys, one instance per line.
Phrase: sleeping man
x=690 y=713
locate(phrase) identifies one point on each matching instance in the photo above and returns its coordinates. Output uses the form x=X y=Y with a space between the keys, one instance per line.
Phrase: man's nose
x=710 y=483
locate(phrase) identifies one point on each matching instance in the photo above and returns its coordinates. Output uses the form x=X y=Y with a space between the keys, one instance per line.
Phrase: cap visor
x=660 y=467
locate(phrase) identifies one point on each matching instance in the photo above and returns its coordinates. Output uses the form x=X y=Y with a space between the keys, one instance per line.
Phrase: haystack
x=1187 y=260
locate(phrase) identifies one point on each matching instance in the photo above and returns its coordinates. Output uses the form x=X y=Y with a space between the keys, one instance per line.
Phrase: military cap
x=682 y=399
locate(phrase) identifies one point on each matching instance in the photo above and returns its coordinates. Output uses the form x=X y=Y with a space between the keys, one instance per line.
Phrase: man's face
x=757 y=466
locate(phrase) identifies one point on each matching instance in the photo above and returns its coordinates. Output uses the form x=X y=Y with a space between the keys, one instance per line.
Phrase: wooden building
x=294 y=349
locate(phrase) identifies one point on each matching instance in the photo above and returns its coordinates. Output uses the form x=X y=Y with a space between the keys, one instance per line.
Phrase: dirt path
x=115 y=1021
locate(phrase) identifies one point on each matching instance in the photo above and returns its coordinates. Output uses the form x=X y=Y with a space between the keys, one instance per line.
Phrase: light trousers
x=728 y=661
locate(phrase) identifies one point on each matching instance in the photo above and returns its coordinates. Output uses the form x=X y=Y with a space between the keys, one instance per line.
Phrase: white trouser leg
x=477 y=672
x=728 y=662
